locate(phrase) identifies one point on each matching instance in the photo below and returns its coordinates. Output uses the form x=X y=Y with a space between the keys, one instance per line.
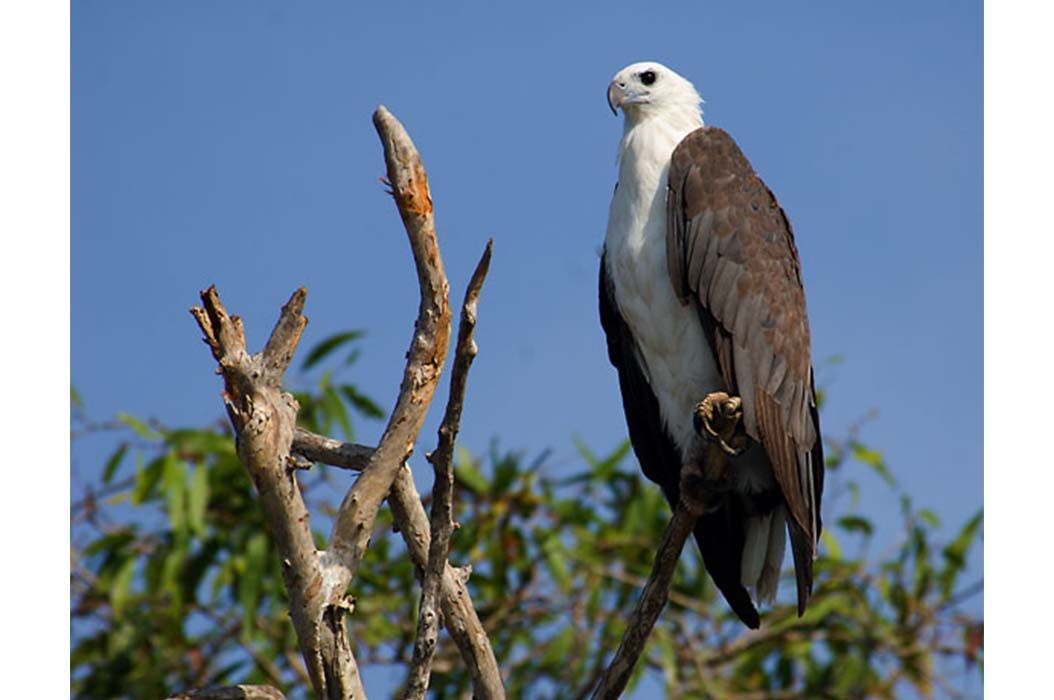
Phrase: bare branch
x=690 y=506
x=318 y=448
x=443 y=488
x=264 y=419
x=358 y=512
x=459 y=613
x=354 y=523
x=233 y=692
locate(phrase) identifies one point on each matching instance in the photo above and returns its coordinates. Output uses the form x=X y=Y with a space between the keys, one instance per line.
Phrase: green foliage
x=176 y=584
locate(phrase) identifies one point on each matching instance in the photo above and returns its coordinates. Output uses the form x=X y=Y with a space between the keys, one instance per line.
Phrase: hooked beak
x=619 y=96
x=614 y=97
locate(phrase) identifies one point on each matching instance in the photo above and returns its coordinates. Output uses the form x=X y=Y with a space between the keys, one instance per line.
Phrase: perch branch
x=264 y=420
x=692 y=502
x=459 y=613
x=443 y=489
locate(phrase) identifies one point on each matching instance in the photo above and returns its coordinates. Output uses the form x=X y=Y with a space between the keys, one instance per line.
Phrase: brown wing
x=731 y=250
x=719 y=532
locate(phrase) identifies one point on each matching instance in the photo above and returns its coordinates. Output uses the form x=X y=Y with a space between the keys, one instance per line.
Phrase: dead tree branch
x=264 y=419
x=443 y=489
x=406 y=174
x=459 y=613
x=723 y=420
x=233 y=692
x=358 y=512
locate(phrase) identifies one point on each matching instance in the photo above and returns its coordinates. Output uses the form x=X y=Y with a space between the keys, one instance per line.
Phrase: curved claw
x=728 y=449
x=717 y=419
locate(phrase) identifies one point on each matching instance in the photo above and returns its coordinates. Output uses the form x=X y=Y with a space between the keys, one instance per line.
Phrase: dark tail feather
x=720 y=537
x=802 y=549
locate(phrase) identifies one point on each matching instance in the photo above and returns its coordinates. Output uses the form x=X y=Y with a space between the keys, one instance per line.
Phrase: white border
x=35 y=352
x=1019 y=345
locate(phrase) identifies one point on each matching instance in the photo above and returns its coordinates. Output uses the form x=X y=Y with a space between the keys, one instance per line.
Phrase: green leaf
x=198 y=498
x=469 y=476
x=849 y=675
x=855 y=523
x=335 y=410
x=172 y=577
x=175 y=493
x=667 y=657
x=146 y=479
x=873 y=459
x=75 y=398
x=560 y=648
x=250 y=579
x=603 y=468
x=557 y=561
x=854 y=494
x=929 y=517
x=327 y=346
x=830 y=545
x=364 y=404
x=955 y=553
x=139 y=427
x=352 y=357
x=200 y=443
x=113 y=462
x=122 y=582
x=111 y=542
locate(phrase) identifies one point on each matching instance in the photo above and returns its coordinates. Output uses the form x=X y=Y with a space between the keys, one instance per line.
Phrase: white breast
x=672 y=348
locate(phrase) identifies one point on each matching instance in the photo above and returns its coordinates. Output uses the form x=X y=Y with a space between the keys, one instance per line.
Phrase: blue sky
x=231 y=143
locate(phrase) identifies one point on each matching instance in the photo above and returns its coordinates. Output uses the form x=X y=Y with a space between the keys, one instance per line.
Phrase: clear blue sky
x=231 y=143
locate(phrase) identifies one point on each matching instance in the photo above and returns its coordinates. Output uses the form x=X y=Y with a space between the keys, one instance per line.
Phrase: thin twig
x=443 y=489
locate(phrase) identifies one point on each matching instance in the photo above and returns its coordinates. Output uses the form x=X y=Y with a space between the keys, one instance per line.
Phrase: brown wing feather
x=731 y=249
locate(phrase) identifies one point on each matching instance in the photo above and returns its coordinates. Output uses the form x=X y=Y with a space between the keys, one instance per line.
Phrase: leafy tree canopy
x=176 y=585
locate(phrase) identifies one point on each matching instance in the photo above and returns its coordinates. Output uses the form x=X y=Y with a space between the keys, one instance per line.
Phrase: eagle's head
x=649 y=89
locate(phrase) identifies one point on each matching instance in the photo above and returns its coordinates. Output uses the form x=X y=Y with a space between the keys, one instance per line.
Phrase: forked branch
x=459 y=613
x=264 y=419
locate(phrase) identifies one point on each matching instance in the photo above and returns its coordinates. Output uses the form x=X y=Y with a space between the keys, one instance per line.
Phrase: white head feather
x=649 y=90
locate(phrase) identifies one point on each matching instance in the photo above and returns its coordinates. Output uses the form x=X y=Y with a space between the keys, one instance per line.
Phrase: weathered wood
x=459 y=613
x=442 y=460
x=358 y=511
x=354 y=522
x=232 y=692
x=264 y=419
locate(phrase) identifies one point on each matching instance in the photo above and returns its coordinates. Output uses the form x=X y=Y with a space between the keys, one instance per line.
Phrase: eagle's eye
x=647 y=77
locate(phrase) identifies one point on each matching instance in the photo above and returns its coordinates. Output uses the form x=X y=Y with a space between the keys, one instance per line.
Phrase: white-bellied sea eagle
x=701 y=291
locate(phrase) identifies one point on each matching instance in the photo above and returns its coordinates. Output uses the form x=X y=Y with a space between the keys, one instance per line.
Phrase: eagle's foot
x=718 y=420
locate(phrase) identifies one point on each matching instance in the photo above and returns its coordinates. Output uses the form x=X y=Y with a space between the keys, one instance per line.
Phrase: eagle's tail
x=763 y=549
x=721 y=537
x=804 y=551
